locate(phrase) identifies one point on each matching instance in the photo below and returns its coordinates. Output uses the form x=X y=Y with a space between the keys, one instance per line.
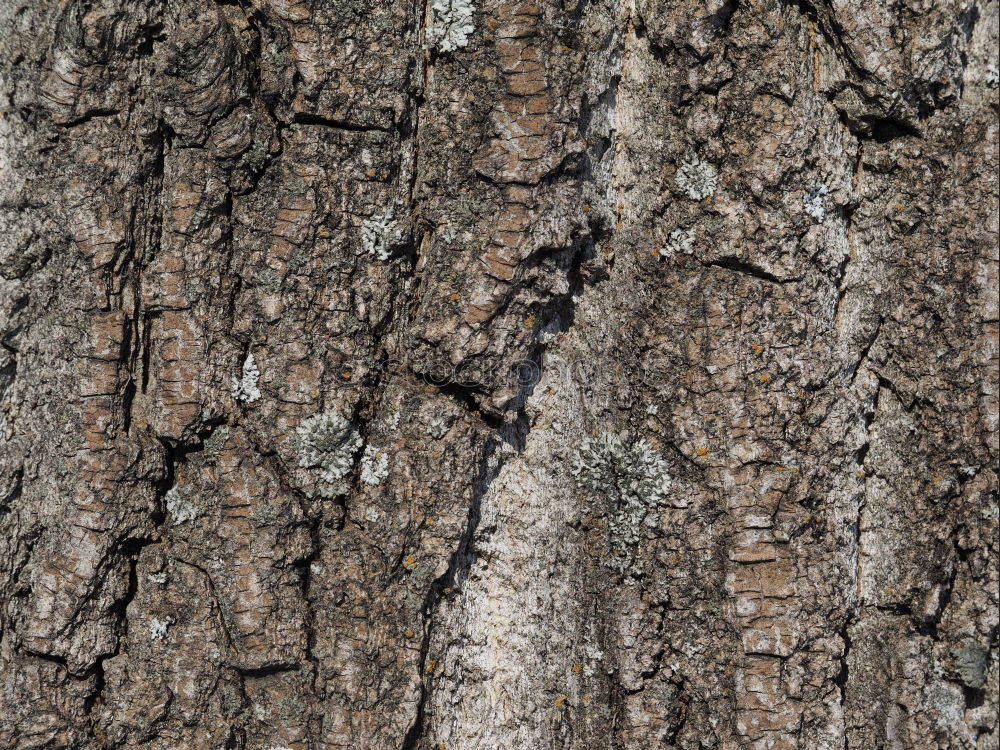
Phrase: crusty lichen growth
x=158 y=628
x=813 y=203
x=374 y=466
x=326 y=444
x=379 y=232
x=992 y=76
x=680 y=241
x=971 y=664
x=698 y=179
x=214 y=443
x=631 y=477
x=437 y=428
x=180 y=508
x=451 y=25
x=245 y=388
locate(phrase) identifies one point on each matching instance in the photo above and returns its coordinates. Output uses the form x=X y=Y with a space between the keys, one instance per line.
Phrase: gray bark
x=624 y=374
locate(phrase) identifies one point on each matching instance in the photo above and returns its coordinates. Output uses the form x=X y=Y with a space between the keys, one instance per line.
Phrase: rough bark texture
x=539 y=256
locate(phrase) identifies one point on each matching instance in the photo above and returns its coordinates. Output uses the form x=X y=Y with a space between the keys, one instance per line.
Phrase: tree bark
x=489 y=374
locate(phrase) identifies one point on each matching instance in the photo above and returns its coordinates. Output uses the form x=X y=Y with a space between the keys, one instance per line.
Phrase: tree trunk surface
x=498 y=374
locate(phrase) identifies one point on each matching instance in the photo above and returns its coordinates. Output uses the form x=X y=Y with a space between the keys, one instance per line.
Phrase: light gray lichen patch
x=379 y=232
x=158 y=628
x=451 y=24
x=813 y=202
x=594 y=657
x=179 y=506
x=992 y=75
x=326 y=444
x=374 y=466
x=697 y=178
x=990 y=512
x=631 y=478
x=680 y=241
x=437 y=428
x=947 y=701
x=245 y=388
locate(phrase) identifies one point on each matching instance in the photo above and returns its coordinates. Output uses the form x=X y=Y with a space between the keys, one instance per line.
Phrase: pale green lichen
x=326 y=444
x=180 y=508
x=266 y=514
x=813 y=203
x=292 y=708
x=992 y=75
x=379 y=232
x=698 y=179
x=269 y=279
x=631 y=478
x=214 y=443
x=451 y=24
x=437 y=428
x=158 y=628
x=594 y=657
x=232 y=702
x=245 y=387
x=679 y=241
x=971 y=663
x=374 y=466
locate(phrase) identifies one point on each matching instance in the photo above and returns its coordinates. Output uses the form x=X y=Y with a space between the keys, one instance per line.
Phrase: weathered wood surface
x=657 y=344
